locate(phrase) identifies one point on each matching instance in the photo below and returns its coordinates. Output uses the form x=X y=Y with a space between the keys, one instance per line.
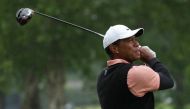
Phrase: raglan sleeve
x=142 y=79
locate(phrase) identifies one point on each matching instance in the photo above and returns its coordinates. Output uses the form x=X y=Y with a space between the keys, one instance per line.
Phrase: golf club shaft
x=74 y=25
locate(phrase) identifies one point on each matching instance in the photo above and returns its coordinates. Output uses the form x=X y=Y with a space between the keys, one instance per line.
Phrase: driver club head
x=23 y=15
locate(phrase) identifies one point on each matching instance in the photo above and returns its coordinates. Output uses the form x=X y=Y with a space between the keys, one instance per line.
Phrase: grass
x=88 y=107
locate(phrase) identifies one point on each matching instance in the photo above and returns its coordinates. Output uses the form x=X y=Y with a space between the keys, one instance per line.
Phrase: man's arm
x=166 y=80
x=148 y=56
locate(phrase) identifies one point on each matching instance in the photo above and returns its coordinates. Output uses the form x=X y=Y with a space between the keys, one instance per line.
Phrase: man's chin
x=135 y=58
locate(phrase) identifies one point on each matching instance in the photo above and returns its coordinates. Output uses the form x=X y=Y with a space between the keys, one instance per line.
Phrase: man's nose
x=137 y=44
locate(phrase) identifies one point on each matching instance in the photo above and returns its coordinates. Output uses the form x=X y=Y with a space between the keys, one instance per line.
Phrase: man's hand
x=146 y=53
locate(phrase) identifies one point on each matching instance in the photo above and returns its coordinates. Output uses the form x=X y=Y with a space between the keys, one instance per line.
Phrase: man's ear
x=114 y=49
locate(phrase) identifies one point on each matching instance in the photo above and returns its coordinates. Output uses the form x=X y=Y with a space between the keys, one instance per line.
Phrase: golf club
x=24 y=15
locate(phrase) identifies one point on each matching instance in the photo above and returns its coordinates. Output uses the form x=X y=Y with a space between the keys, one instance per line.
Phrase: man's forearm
x=166 y=80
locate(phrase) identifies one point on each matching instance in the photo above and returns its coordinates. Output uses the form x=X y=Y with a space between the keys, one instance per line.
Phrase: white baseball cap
x=117 y=32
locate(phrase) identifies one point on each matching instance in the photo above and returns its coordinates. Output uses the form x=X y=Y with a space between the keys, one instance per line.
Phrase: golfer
x=122 y=85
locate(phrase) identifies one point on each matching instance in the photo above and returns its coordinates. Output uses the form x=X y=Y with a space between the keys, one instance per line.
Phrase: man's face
x=128 y=49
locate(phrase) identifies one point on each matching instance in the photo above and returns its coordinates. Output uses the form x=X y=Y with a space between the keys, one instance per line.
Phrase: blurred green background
x=50 y=65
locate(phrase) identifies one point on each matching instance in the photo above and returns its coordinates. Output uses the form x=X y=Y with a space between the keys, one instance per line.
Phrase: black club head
x=23 y=15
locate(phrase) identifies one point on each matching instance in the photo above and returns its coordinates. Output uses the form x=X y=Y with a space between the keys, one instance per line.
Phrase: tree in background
x=41 y=52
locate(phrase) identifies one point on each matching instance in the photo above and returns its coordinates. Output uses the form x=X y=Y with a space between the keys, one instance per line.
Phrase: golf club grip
x=66 y=22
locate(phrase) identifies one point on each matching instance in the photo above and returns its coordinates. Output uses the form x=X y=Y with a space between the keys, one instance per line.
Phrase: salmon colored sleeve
x=142 y=79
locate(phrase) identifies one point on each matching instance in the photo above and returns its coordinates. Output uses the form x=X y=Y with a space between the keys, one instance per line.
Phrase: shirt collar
x=116 y=61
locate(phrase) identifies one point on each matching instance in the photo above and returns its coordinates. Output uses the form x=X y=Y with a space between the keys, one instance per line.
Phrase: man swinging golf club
x=122 y=85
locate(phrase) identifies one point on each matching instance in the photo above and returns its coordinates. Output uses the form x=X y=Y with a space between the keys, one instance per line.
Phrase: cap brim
x=137 y=32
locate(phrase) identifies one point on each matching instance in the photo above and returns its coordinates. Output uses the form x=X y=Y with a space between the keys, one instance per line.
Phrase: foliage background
x=51 y=65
